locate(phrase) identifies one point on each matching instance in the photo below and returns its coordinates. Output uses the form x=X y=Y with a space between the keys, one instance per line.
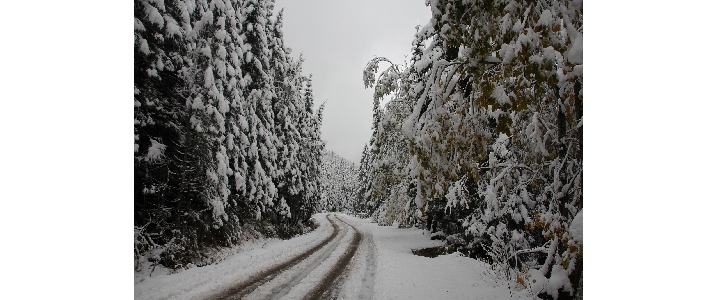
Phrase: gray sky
x=337 y=39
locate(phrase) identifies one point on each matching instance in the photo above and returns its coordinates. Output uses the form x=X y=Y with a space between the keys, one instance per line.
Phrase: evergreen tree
x=339 y=181
x=286 y=81
x=310 y=125
x=364 y=199
x=216 y=96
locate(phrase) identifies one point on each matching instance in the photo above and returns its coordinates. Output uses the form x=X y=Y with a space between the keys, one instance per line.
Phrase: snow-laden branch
x=372 y=67
x=542 y=249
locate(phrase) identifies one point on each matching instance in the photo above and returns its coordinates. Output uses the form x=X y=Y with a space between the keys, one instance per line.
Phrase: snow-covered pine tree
x=170 y=156
x=365 y=203
x=209 y=79
x=391 y=182
x=391 y=186
x=296 y=174
x=339 y=181
x=287 y=107
x=313 y=146
x=259 y=93
x=237 y=143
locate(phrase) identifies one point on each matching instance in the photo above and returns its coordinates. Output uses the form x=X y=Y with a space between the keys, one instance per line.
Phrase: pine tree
x=216 y=97
x=310 y=124
x=339 y=181
x=287 y=83
x=259 y=92
x=364 y=199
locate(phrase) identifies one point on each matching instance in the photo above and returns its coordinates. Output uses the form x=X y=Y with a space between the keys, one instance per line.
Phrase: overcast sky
x=337 y=39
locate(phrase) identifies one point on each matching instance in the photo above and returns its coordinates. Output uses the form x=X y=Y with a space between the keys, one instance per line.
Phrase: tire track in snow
x=331 y=281
x=367 y=287
x=292 y=277
x=358 y=283
x=246 y=287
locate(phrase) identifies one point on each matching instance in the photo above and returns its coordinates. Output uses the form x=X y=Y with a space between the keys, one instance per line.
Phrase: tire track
x=283 y=286
x=331 y=279
x=367 y=287
x=246 y=287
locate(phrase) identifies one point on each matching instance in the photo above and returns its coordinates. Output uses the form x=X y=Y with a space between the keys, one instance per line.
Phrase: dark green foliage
x=218 y=102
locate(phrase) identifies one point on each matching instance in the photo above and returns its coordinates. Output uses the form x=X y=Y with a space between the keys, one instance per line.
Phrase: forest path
x=358 y=283
x=332 y=282
x=315 y=273
x=344 y=258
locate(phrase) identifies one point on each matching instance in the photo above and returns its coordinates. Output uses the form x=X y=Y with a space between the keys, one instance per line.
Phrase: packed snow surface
x=382 y=268
x=403 y=275
x=202 y=282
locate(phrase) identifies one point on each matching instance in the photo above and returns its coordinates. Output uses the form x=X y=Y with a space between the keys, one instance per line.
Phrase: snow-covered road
x=345 y=258
x=314 y=274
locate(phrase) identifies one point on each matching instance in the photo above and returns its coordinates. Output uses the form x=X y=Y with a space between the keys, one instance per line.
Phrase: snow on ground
x=403 y=275
x=201 y=282
x=383 y=268
x=317 y=269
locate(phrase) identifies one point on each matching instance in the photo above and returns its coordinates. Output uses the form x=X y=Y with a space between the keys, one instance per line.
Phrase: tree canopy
x=482 y=138
x=225 y=131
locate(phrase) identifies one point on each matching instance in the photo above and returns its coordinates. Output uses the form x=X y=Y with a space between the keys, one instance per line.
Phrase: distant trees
x=339 y=181
x=225 y=131
x=494 y=132
x=365 y=202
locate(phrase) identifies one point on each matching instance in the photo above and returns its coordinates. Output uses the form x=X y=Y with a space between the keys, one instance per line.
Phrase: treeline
x=339 y=180
x=226 y=140
x=482 y=138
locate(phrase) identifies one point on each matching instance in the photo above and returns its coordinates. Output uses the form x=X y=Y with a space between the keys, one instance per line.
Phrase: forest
x=482 y=137
x=227 y=142
x=479 y=139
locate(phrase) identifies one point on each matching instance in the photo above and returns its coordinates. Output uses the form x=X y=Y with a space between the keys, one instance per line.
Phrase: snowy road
x=312 y=266
x=345 y=258
x=313 y=274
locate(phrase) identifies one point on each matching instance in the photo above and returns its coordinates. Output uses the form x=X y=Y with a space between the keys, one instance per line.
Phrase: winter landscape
x=468 y=183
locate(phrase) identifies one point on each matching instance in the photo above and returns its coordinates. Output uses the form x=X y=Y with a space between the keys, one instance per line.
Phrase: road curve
x=249 y=285
x=327 y=288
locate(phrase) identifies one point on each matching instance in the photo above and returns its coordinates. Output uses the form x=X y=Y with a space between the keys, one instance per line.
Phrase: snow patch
x=156 y=151
x=576 y=228
x=144 y=47
x=546 y=18
x=575 y=55
x=154 y=15
x=500 y=95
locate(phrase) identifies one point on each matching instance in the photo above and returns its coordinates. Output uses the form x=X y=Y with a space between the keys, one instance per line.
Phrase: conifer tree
x=216 y=96
x=339 y=181
x=365 y=203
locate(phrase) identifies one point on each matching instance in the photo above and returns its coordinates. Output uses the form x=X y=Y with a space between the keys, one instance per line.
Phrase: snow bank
x=202 y=282
x=403 y=275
